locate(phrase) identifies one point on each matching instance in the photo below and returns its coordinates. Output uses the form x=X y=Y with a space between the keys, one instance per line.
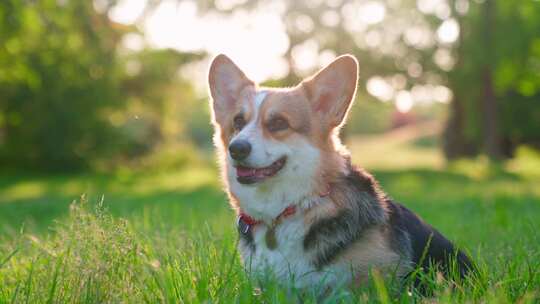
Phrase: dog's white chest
x=288 y=262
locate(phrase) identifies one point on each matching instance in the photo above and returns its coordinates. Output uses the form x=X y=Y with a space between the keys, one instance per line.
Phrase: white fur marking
x=258 y=100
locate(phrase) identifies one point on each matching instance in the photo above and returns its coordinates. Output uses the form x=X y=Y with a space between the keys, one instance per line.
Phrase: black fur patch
x=428 y=246
x=328 y=229
x=363 y=181
x=330 y=237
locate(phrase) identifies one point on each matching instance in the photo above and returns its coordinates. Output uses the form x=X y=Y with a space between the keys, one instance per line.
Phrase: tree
x=58 y=73
x=496 y=81
x=71 y=95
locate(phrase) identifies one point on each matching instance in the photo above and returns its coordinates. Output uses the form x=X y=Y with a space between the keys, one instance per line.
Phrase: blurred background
x=97 y=96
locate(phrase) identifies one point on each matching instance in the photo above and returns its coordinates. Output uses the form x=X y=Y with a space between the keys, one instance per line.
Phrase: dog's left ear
x=332 y=89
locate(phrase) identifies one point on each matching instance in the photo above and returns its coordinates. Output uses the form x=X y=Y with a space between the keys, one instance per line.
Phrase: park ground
x=169 y=235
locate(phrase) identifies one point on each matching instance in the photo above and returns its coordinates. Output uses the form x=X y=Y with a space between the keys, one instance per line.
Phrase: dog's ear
x=226 y=82
x=331 y=90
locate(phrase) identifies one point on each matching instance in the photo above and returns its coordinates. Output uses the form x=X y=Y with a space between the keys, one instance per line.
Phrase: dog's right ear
x=226 y=82
x=331 y=91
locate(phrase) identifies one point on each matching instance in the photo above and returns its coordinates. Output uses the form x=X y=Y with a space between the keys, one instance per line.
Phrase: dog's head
x=277 y=138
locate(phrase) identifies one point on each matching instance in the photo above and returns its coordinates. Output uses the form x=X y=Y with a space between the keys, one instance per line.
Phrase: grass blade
x=4 y=261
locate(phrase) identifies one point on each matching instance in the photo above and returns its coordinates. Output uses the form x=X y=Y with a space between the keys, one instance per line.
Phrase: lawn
x=169 y=236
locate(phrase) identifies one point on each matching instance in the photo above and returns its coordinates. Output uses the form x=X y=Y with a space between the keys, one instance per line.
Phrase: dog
x=306 y=215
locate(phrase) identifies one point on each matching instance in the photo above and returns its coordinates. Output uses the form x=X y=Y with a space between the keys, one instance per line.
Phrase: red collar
x=252 y=222
x=246 y=222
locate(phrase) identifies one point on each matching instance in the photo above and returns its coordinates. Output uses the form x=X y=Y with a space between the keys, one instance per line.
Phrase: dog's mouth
x=250 y=175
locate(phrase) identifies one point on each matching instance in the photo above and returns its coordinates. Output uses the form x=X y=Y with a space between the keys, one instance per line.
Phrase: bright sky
x=257 y=41
x=249 y=39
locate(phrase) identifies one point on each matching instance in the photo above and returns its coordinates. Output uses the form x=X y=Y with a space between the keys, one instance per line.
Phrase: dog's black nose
x=239 y=149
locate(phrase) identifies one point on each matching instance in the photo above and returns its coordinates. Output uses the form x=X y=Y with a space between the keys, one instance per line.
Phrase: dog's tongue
x=245 y=172
x=251 y=172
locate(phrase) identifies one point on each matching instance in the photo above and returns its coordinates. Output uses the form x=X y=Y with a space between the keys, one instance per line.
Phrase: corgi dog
x=305 y=214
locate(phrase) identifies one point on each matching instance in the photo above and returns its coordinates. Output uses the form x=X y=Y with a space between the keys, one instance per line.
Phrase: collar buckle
x=242 y=226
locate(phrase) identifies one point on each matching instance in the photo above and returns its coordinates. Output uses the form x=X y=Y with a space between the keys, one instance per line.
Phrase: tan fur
x=293 y=106
x=319 y=212
x=374 y=252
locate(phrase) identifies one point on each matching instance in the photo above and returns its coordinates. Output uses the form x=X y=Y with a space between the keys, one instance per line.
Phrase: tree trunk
x=490 y=123
x=492 y=137
x=454 y=142
x=454 y=134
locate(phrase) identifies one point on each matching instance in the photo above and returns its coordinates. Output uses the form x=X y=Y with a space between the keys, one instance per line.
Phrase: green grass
x=170 y=237
x=409 y=147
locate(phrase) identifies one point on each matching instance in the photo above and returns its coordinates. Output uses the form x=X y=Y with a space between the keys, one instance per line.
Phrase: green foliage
x=369 y=116
x=51 y=110
x=513 y=56
x=158 y=101
x=71 y=96
x=198 y=126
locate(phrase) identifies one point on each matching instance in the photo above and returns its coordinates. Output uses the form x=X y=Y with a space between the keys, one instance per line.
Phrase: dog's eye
x=277 y=124
x=239 y=122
